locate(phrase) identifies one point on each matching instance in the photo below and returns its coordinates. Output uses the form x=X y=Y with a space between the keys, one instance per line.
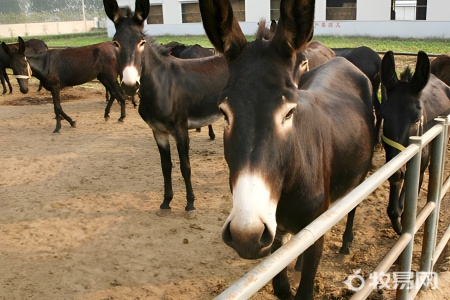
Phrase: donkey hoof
x=190 y=214
x=74 y=124
x=396 y=225
x=344 y=250
x=120 y=120
x=163 y=212
x=106 y=118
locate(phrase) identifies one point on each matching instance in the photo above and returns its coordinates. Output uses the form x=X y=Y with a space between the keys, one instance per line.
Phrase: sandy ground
x=78 y=212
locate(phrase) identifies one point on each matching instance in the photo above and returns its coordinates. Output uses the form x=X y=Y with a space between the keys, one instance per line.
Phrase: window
x=341 y=10
x=156 y=15
x=410 y=10
x=274 y=10
x=190 y=13
x=238 y=9
x=421 y=13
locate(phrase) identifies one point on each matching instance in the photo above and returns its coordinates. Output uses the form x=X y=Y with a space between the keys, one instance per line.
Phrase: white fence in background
x=47 y=28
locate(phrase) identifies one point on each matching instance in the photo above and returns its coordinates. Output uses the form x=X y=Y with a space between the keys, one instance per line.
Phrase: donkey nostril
x=266 y=237
x=226 y=234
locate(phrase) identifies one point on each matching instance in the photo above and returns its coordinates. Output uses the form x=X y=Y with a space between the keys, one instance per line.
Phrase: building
x=381 y=18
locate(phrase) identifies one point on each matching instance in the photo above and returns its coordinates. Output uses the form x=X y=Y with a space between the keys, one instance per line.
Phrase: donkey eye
x=141 y=43
x=289 y=115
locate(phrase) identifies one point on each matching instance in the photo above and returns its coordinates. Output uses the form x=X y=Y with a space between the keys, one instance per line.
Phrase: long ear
x=6 y=49
x=112 y=10
x=141 y=11
x=388 y=75
x=221 y=26
x=422 y=72
x=295 y=27
x=21 y=45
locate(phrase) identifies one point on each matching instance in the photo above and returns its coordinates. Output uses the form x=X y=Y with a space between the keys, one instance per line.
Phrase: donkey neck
x=154 y=55
x=4 y=58
x=39 y=64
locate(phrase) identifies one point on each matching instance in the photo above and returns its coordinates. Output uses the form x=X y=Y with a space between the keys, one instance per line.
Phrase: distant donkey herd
x=301 y=119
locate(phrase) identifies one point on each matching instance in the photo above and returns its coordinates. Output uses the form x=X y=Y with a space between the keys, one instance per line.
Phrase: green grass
x=430 y=46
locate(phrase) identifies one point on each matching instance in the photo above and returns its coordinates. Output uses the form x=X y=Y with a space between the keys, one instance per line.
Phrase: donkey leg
x=162 y=140
x=2 y=79
x=59 y=112
x=311 y=260
x=211 y=133
x=115 y=92
x=182 y=139
x=9 y=83
x=108 y=106
x=122 y=109
x=133 y=101
x=395 y=207
x=280 y=283
x=347 y=238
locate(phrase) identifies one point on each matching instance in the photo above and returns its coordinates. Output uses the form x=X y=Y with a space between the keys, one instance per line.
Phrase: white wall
x=256 y=9
x=320 y=10
x=438 y=10
x=369 y=10
x=400 y=29
x=48 y=28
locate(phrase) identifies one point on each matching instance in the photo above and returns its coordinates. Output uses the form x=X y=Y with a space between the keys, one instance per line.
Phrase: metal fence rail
x=261 y=274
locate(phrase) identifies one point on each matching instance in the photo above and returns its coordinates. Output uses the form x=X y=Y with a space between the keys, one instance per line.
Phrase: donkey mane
x=129 y=13
x=160 y=49
x=406 y=75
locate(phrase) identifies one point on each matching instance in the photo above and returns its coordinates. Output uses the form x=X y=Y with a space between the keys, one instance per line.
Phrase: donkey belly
x=198 y=122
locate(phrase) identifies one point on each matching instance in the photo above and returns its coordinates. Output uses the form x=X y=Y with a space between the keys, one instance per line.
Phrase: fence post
x=411 y=186
x=438 y=150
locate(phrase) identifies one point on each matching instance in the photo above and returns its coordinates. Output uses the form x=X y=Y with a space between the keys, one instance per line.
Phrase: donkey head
x=19 y=64
x=259 y=104
x=402 y=106
x=130 y=41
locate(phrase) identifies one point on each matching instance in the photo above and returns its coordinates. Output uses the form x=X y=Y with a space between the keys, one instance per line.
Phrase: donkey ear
x=295 y=27
x=422 y=72
x=388 y=75
x=141 y=10
x=221 y=26
x=6 y=48
x=112 y=10
x=21 y=45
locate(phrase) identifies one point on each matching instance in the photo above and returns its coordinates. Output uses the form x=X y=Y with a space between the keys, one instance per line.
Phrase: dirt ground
x=78 y=212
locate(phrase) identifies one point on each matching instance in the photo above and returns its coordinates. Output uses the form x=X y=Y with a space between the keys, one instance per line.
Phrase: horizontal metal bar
x=431 y=133
x=440 y=247
x=445 y=187
x=423 y=215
